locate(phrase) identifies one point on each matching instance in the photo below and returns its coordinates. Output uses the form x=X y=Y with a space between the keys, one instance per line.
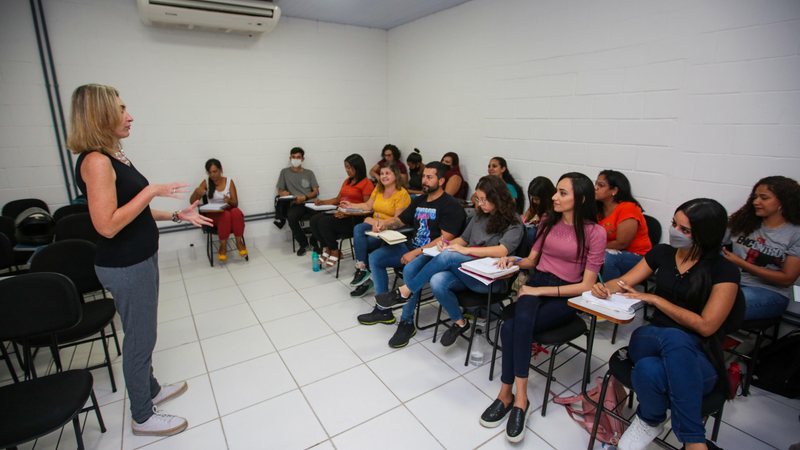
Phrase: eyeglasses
x=481 y=201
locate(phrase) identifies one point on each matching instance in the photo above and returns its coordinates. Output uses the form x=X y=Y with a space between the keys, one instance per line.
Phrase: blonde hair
x=95 y=116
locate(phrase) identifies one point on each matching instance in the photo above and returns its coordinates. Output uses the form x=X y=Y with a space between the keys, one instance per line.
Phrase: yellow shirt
x=385 y=208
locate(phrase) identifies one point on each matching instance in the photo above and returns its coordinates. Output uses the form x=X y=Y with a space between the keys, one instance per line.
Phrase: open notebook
x=616 y=302
x=391 y=237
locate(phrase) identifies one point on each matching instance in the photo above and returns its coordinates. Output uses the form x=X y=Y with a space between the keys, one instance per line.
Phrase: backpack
x=778 y=366
x=609 y=430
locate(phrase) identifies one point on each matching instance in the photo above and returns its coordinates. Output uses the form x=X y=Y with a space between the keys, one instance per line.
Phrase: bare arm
x=198 y=192
x=375 y=172
x=567 y=290
x=788 y=274
x=453 y=184
x=233 y=198
x=626 y=231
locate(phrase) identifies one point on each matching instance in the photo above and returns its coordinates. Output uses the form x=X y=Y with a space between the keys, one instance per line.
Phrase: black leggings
x=327 y=229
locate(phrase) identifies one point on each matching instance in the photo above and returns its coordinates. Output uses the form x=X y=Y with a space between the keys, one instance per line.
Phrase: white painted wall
x=194 y=95
x=687 y=98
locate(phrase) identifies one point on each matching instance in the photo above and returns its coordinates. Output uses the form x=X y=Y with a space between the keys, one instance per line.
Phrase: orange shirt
x=628 y=210
x=355 y=193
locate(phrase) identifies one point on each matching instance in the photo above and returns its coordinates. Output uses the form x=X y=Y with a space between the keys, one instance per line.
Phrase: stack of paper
x=431 y=251
x=287 y=197
x=391 y=237
x=616 y=302
x=485 y=270
x=312 y=206
x=212 y=207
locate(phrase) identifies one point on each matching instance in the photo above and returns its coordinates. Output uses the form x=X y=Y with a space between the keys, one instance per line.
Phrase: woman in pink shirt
x=567 y=254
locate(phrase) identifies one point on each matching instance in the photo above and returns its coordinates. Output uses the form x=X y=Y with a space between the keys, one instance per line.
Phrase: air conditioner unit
x=228 y=16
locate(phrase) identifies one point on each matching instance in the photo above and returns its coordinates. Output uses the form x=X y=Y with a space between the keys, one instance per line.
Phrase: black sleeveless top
x=139 y=239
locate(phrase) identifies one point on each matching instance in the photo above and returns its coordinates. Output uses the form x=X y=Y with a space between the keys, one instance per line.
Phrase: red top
x=628 y=210
x=355 y=193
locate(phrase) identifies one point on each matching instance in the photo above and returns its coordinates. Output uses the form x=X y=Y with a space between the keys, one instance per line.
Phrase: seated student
x=435 y=215
x=388 y=200
x=327 y=229
x=765 y=235
x=231 y=217
x=677 y=357
x=567 y=255
x=495 y=231
x=415 y=167
x=390 y=155
x=621 y=215
x=300 y=182
x=540 y=198
x=454 y=183
x=499 y=168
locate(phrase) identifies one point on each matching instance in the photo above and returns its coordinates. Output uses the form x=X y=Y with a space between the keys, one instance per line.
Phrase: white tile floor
x=274 y=358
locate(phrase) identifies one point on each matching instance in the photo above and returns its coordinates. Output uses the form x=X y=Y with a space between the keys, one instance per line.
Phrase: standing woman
x=127 y=258
x=327 y=229
x=567 y=255
x=231 y=217
x=765 y=235
x=499 y=168
x=622 y=217
x=677 y=358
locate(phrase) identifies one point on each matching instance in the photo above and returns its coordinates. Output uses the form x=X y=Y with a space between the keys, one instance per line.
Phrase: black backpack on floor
x=778 y=368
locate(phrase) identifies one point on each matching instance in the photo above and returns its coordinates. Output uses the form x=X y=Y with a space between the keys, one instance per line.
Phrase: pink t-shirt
x=558 y=256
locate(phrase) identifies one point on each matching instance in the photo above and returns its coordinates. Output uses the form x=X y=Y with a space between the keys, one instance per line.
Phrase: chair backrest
x=76 y=226
x=13 y=208
x=736 y=317
x=653 y=229
x=64 y=211
x=6 y=252
x=73 y=258
x=37 y=304
x=7 y=227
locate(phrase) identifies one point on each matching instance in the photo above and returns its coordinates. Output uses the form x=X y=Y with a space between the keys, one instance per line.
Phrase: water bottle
x=478 y=348
x=315 y=261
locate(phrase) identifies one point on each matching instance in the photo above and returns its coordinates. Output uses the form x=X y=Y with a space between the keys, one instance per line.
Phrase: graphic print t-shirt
x=430 y=218
x=768 y=248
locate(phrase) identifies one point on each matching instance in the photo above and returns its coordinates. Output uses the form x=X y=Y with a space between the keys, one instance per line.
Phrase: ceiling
x=383 y=14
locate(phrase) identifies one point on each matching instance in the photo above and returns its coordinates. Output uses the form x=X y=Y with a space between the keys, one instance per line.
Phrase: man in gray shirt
x=302 y=185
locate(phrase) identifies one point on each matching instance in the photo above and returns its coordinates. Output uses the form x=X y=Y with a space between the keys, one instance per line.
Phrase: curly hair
x=744 y=221
x=498 y=195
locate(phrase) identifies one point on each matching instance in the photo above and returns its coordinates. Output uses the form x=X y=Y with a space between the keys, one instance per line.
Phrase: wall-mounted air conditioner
x=228 y=16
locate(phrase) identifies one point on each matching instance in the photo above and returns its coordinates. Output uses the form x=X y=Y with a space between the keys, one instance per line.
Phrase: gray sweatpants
x=135 y=291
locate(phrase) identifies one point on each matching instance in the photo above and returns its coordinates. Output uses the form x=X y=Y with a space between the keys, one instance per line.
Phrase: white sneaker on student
x=159 y=424
x=638 y=435
x=169 y=392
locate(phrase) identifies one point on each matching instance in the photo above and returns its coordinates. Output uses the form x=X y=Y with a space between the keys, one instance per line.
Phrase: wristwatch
x=175 y=217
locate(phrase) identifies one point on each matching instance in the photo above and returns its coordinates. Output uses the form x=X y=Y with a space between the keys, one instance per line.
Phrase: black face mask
x=447 y=166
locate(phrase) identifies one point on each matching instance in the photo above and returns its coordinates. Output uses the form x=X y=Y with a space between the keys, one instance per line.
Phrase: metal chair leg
x=599 y=409
x=550 y=369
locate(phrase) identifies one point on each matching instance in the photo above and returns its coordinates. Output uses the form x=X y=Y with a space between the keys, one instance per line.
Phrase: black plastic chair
x=74 y=258
x=759 y=327
x=33 y=306
x=76 y=226
x=13 y=208
x=66 y=210
x=210 y=232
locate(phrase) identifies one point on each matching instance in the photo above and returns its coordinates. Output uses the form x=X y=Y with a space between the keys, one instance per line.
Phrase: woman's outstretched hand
x=191 y=215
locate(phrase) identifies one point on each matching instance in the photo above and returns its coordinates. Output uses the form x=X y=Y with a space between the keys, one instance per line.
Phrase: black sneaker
x=515 y=428
x=405 y=331
x=302 y=250
x=360 y=277
x=377 y=315
x=452 y=333
x=279 y=223
x=495 y=413
x=361 y=290
x=389 y=299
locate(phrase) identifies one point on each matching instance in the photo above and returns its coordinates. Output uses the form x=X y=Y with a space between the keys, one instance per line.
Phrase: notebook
x=312 y=206
x=616 y=302
x=391 y=237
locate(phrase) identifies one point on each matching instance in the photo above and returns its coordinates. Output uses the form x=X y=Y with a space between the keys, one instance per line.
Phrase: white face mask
x=678 y=239
x=296 y=162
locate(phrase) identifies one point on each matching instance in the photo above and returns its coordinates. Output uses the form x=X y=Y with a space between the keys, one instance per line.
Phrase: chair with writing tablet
x=210 y=231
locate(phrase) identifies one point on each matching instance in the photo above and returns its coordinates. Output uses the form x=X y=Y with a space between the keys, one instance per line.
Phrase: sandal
x=331 y=261
x=324 y=257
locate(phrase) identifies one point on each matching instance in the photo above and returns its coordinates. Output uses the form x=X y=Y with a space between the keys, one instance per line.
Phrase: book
x=487 y=267
x=312 y=206
x=354 y=211
x=212 y=207
x=287 y=197
x=616 y=302
x=431 y=251
x=391 y=237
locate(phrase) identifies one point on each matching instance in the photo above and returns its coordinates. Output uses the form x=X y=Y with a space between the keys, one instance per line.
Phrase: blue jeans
x=617 y=265
x=671 y=371
x=763 y=303
x=362 y=243
x=531 y=314
x=445 y=279
x=382 y=258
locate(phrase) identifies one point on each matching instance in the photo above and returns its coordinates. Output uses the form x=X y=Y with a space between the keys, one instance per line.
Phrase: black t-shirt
x=674 y=286
x=430 y=218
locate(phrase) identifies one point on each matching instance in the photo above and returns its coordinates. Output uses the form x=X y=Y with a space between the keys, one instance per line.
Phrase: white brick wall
x=687 y=98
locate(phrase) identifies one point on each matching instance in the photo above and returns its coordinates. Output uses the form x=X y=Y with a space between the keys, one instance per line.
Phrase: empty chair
x=33 y=306
x=66 y=210
x=76 y=226
x=13 y=208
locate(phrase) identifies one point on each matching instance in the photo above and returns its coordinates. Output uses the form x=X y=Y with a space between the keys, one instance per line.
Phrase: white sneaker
x=159 y=424
x=639 y=435
x=170 y=391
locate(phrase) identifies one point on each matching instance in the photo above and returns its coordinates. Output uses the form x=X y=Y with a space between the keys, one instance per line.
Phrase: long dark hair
x=744 y=221
x=454 y=157
x=508 y=178
x=395 y=152
x=497 y=194
x=357 y=163
x=708 y=220
x=210 y=186
x=543 y=188
x=584 y=211
x=619 y=181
